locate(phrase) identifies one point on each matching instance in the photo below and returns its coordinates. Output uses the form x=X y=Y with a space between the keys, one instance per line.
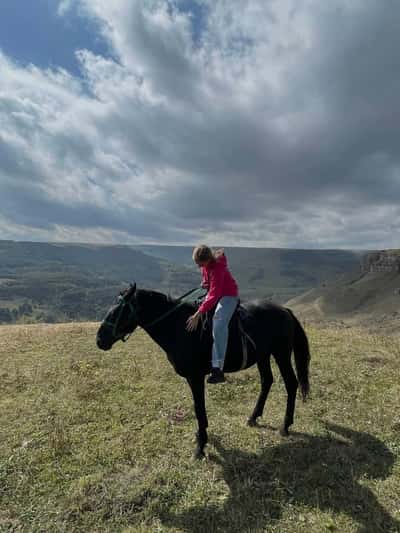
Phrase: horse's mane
x=176 y=301
x=170 y=299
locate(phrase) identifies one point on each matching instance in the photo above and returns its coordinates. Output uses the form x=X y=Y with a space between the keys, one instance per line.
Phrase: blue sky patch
x=33 y=32
x=198 y=12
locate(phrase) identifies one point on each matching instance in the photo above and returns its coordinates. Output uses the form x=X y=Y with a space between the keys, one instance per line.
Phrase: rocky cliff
x=382 y=261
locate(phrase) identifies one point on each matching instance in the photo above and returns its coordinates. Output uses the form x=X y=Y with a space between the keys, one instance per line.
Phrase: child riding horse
x=223 y=296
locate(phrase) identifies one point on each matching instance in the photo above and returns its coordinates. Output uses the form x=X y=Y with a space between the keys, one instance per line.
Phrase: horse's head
x=120 y=321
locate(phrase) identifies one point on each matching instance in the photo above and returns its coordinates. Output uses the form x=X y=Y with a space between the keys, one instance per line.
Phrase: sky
x=238 y=122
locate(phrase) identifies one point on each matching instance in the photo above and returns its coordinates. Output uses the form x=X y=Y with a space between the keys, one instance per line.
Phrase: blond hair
x=203 y=253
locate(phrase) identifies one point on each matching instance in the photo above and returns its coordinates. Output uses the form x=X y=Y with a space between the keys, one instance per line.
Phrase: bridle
x=114 y=325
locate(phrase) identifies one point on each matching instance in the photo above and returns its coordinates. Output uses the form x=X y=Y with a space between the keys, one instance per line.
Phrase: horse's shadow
x=314 y=471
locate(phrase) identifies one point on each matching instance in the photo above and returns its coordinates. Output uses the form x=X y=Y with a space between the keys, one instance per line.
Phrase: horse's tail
x=301 y=356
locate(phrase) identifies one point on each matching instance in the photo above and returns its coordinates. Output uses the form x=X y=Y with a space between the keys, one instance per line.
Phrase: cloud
x=259 y=123
x=63 y=7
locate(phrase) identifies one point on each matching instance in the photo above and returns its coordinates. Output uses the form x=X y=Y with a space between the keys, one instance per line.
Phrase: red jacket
x=219 y=282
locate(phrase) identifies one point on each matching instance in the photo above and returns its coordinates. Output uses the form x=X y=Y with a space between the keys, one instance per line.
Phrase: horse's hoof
x=252 y=422
x=199 y=454
x=284 y=432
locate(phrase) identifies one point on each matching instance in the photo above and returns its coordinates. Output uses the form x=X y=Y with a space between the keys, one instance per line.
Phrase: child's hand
x=193 y=321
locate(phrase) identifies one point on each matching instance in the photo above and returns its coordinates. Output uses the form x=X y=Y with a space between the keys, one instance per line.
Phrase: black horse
x=274 y=330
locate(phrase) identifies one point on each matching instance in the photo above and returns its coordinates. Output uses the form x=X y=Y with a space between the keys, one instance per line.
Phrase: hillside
x=371 y=299
x=56 y=282
x=276 y=273
x=91 y=441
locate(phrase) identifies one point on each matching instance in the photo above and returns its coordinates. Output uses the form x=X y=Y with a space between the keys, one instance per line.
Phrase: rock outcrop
x=382 y=261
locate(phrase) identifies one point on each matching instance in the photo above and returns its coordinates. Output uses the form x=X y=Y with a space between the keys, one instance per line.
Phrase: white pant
x=223 y=314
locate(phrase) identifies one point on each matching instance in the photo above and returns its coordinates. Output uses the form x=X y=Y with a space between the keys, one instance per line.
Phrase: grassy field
x=93 y=441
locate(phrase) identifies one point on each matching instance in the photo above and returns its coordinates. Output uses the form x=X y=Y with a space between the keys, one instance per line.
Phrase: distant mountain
x=58 y=282
x=371 y=298
x=181 y=255
x=115 y=262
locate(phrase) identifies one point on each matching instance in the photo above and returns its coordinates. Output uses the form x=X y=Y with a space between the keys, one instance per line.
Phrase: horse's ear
x=131 y=290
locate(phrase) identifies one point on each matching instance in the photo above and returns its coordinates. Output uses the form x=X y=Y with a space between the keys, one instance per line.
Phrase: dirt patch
x=374 y=361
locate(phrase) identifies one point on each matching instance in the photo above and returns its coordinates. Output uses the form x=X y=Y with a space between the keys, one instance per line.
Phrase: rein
x=181 y=301
x=133 y=314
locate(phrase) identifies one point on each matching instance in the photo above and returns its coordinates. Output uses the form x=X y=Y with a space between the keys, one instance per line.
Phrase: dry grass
x=93 y=441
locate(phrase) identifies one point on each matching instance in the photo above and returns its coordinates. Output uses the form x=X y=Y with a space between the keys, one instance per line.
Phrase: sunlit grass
x=93 y=441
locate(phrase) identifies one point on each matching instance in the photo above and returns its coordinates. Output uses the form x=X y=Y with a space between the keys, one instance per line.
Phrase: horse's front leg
x=197 y=387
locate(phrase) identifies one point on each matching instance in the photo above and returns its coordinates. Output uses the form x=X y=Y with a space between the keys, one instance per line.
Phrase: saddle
x=239 y=321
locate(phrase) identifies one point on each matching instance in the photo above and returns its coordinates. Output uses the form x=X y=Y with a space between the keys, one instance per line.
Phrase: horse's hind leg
x=264 y=367
x=289 y=377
